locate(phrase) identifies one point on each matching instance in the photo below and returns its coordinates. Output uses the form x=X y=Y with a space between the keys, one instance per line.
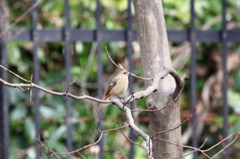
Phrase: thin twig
x=219 y=142
x=81 y=155
x=33 y=85
x=141 y=94
x=43 y=154
x=41 y=134
x=54 y=154
x=120 y=67
x=237 y=137
x=132 y=96
x=18 y=33
x=71 y=152
x=76 y=78
x=22 y=153
x=194 y=150
x=136 y=129
x=21 y=17
x=159 y=109
x=69 y=156
x=15 y=74
x=161 y=132
x=128 y=114
x=121 y=152
x=131 y=140
x=203 y=151
x=109 y=130
x=190 y=147
x=31 y=78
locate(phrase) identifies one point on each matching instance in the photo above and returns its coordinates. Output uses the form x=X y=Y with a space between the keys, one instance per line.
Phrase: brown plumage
x=118 y=85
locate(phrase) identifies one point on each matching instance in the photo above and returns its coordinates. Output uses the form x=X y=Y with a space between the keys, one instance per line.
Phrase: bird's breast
x=120 y=87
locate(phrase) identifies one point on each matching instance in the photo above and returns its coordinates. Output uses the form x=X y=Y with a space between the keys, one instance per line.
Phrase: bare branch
x=109 y=130
x=43 y=155
x=76 y=78
x=130 y=139
x=184 y=146
x=142 y=94
x=69 y=156
x=119 y=103
x=217 y=154
x=33 y=85
x=20 y=18
x=180 y=82
x=122 y=152
x=46 y=143
x=199 y=149
x=81 y=155
x=71 y=152
x=54 y=154
x=15 y=74
x=51 y=152
x=138 y=131
x=194 y=150
x=161 y=132
x=31 y=78
x=120 y=67
x=129 y=99
x=219 y=142
x=154 y=87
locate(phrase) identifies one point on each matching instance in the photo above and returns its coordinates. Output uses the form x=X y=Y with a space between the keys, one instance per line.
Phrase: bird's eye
x=124 y=72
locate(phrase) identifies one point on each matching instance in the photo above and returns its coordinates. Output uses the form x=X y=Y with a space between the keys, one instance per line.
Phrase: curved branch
x=120 y=67
x=131 y=140
x=138 y=95
x=199 y=149
x=180 y=82
x=161 y=132
x=141 y=94
x=14 y=74
x=109 y=130
x=217 y=154
x=119 y=103
x=195 y=150
x=138 y=131
x=33 y=85
x=71 y=152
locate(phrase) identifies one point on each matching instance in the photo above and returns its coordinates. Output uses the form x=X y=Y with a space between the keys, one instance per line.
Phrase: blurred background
x=84 y=119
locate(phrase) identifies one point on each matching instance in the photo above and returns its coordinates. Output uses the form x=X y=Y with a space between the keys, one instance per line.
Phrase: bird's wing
x=112 y=84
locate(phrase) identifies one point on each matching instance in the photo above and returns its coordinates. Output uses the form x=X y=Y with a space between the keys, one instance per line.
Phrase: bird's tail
x=100 y=105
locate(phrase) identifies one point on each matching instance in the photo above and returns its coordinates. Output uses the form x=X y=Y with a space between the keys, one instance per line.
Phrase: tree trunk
x=155 y=55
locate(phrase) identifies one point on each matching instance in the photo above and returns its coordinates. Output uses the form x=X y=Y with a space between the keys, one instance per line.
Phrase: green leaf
x=18 y=113
x=57 y=135
x=29 y=129
x=234 y=100
x=41 y=55
x=16 y=95
x=48 y=112
x=14 y=56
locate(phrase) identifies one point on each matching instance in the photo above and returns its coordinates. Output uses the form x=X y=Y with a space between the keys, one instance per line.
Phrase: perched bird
x=118 y=85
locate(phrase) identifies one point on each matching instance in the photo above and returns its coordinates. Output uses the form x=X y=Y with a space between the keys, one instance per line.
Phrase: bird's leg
x=118 y=97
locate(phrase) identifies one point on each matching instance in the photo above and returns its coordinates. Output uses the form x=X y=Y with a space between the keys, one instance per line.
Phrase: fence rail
x=100 y=35
x=57 y=35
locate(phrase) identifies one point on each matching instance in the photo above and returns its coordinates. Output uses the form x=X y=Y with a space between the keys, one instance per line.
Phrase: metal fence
x=69 y=35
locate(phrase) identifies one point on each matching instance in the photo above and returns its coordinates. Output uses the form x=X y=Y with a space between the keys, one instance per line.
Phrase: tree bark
x=4 y=107
x=155 y=55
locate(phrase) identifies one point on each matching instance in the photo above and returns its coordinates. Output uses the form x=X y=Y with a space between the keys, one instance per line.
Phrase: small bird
x=118 y=85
